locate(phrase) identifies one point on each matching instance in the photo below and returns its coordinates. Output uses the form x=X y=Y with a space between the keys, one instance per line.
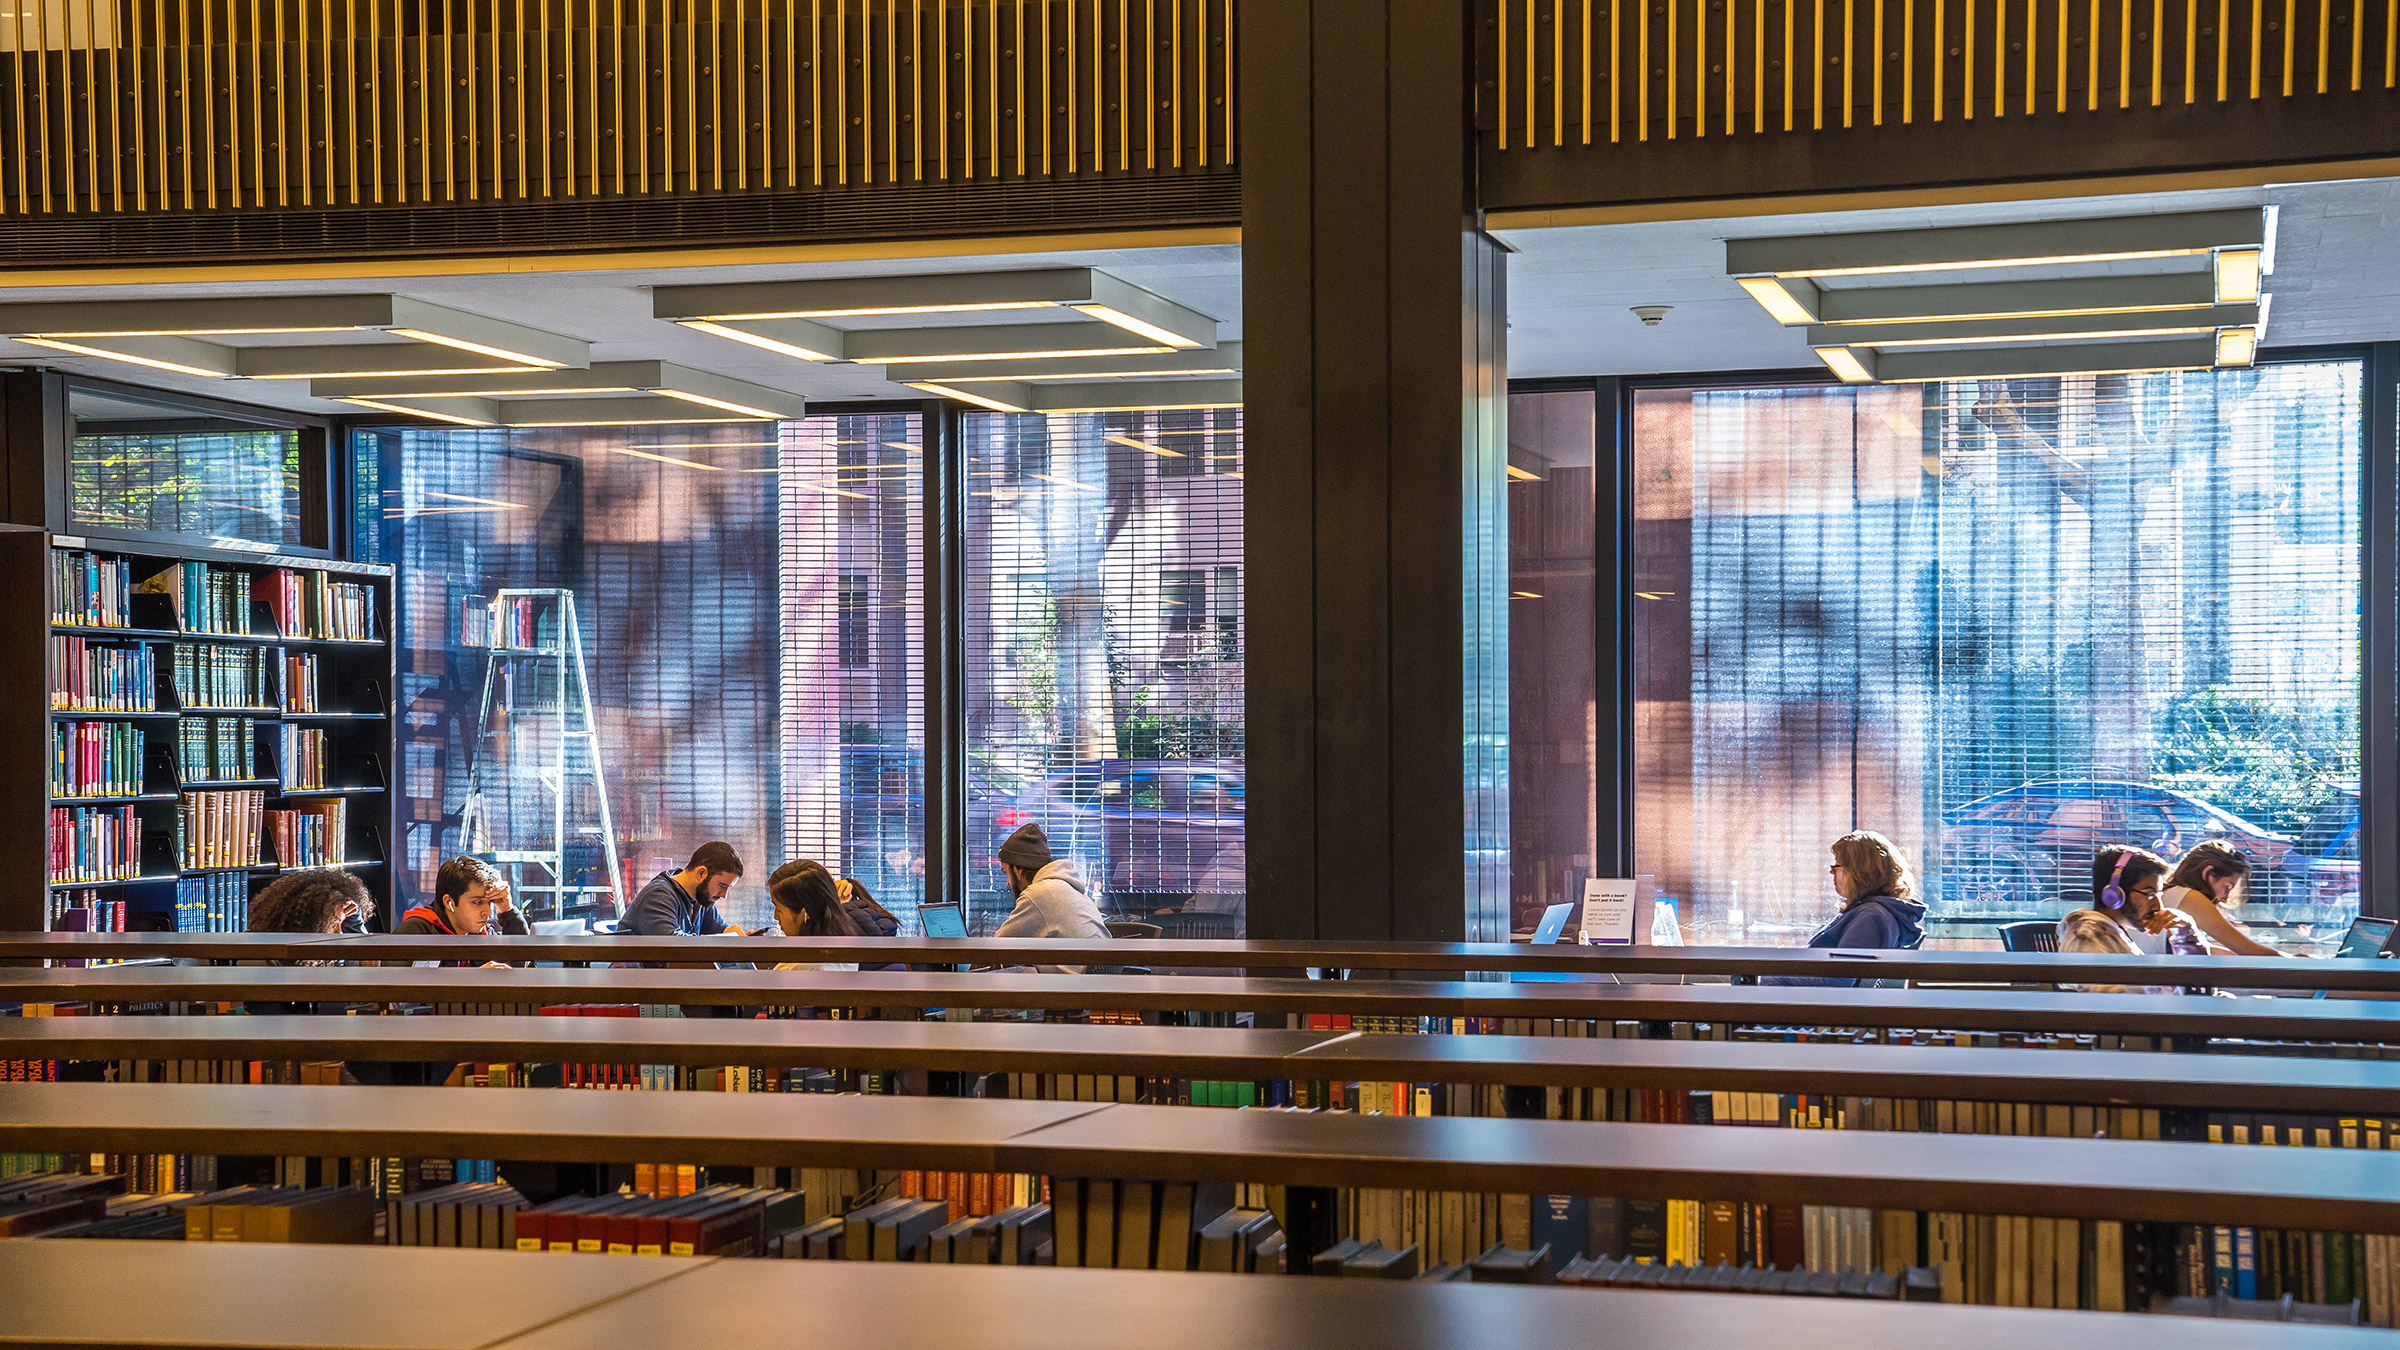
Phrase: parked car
x=1151 y=834
x=2036 y=842
x=2326 y=852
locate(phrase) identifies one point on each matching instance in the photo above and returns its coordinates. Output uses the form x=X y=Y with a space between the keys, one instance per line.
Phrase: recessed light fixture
x=1089 y=291
x=667 y=393
x=2236 y=346
x=2037 y=243
x=2074 y=358
x=1224 y=360
x=2042 y=328
x=140 y=356
x=2238 y=272
x=1787 y=302
x=1100 y=396
x=1849 y=366
x=129 y=331
x=2014 y=299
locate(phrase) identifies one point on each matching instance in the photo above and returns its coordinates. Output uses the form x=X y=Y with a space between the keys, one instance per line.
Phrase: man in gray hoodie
x=1052 y=901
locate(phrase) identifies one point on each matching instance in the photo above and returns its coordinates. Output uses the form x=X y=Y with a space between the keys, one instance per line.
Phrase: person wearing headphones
x=2126 y=883
x=2202 y=885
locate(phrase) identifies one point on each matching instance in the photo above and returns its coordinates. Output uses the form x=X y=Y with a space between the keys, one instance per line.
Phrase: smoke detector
x=1652 y=315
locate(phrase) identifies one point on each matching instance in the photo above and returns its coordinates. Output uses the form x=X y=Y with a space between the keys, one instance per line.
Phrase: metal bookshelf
x=353 y=711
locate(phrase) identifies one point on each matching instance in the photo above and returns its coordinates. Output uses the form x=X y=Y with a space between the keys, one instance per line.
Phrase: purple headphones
x=2113 y=894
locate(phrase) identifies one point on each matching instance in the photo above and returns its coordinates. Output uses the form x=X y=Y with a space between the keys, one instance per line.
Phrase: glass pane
x=1104 y=657
x=1551 y=729
x=853 y=669
x=747 y=618
x=2006 y=623
x=136 y=466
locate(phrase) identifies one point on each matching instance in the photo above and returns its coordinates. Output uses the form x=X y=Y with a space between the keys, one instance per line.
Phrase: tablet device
x=942 y=921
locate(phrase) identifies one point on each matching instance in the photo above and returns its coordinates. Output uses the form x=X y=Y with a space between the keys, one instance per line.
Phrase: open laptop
x=1554 y=922
x=942 y=920
x=2367 y=938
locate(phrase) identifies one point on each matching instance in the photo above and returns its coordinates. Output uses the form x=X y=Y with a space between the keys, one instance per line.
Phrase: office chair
x=2037 y=935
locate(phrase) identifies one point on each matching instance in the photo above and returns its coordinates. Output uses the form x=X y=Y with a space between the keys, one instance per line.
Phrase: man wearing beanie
x=1051 y=899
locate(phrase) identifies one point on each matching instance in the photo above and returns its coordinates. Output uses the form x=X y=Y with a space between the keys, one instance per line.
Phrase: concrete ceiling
x=2337 y=280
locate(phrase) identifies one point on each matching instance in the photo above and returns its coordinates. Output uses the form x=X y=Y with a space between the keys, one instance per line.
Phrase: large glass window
x=2006 y=623
x=1553 y=733
x=748 y=611
x=157 y=468
x=1104 y=657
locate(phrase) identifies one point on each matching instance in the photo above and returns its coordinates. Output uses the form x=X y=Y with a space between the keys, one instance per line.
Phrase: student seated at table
x=808 y=904
x=1879 y=903
x=872 y=919
x=2126 y=883
x=470 y=899
x=2200 y=887
x=684 y=904
x=1053 y=900
x=2089 y=930
x=314 y=900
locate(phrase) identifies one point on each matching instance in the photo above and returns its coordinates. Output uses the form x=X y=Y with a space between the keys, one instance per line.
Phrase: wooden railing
x=213 y=105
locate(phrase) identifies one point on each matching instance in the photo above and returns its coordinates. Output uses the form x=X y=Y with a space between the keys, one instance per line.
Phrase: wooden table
x=66 y=1293
x=1988 y=967
x=2350 y=1189
x=2223 y=1082
x=2338 y=1019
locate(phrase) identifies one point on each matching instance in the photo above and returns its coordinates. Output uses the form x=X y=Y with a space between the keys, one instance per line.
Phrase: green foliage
x=2269 y=764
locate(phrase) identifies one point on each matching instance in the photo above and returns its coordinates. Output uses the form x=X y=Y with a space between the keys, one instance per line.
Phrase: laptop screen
x=942 y=921
x=1554 y=922
x=2366 y=937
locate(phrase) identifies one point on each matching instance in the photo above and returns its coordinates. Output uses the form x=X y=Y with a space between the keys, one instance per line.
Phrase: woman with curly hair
x=315 y=900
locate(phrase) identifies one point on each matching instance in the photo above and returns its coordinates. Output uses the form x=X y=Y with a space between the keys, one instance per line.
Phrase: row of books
x=300 y=683
x=713 y=1221
x=94 y=843
x=311 y=604
x=305 y=754
x=215 y=902
x=219 y=829
x=206 y=598
x=87 y=676
x=522 y=622
x=216 y=749
x=85 y=912
x=90 y=591
x=95 y=759
x=309 y=834
x=211 y=676
x=281 y=1214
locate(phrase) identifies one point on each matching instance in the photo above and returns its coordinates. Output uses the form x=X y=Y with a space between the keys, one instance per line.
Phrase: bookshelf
x=1984 y=1013
x=210 y=718
x=1166 y=1060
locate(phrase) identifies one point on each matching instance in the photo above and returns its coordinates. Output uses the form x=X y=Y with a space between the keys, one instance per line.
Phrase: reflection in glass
x=1104 y=657
x=2006 y=623
x=224 y=484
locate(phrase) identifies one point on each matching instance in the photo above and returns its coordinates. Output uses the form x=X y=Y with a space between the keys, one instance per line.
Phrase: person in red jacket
x=470 y=899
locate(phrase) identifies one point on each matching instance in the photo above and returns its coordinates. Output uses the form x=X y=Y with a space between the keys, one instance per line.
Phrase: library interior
x=528 y=528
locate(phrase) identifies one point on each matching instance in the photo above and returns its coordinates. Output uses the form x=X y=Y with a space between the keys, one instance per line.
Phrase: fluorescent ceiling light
x=192 y=358
x=402 y=316
x=485 y=501
x=1792 y=302
x=2016 y=299
x=788 y=337
x=2106 y=239
x=2236 y=346
x=478 y=348
x=1523 y=475
x=2237 y=274
x=1225 y=359
x=997 y=342
x=2077 y=358
x=437 y=413
x=606 y=377
x=967 y=396
x=1145 y=445
x=1973 y=332
x=727 y=405
x=1097 y=294
x=1850 y=366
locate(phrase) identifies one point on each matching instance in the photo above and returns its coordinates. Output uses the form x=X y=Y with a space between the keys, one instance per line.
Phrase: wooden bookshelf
x=203 y=1296
x=2231 y=972
x=2296 y=1019
x=1954 y=1073
x=282 y=682
x=2353 y=1190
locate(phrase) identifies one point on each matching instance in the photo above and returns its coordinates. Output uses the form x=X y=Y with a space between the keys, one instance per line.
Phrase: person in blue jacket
x=1879 y=902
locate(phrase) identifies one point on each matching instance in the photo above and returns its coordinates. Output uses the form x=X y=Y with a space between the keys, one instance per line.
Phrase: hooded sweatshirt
x=1056 y=905
x=1869 y=922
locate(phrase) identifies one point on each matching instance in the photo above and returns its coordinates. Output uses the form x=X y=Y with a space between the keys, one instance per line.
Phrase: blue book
x=2222 y=1259
x=2245 y=1263
x=1561 y=1223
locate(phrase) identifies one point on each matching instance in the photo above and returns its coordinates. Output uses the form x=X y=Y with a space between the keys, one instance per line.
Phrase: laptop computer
x=942 y=920
x=2367 y=937
x=1554 y=922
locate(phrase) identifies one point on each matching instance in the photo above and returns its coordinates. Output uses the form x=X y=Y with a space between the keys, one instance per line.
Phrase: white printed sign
x=1608 y=905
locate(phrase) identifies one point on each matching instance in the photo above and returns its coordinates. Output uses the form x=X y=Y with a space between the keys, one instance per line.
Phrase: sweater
x=665 y=909
x=1874 y=922
x=1056 y=905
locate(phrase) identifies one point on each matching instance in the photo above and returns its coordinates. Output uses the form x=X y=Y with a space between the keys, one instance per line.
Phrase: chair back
x=2032 y=936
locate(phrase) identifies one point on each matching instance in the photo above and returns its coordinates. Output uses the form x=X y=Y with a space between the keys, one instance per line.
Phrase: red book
x=1787 y=1242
